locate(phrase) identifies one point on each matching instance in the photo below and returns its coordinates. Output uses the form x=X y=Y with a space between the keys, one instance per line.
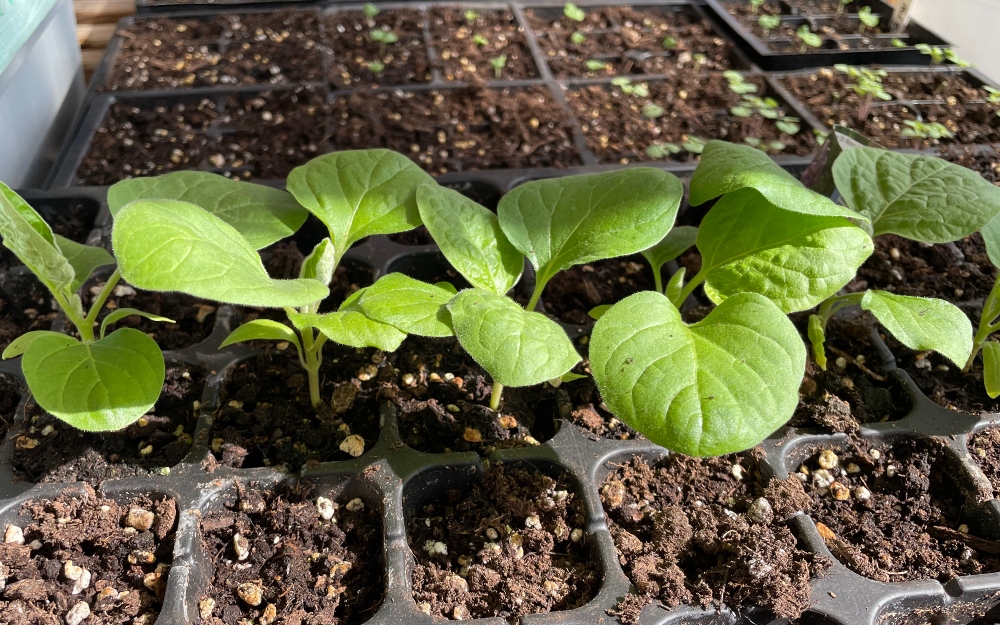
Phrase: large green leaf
x=561 y=222
x=360 y=193
x=470 y=237
x=168 y=245
x=26 y=234
x=101 y=386
x=84 y=259
x=749 y=245
x=727 y=167
x=516 y=347
x=673 y=245
x=263 y=215
x=716 y=387
x=410 y=305
x=351 y=326
x=923 y=323
x=917 y=197
x=991 y=236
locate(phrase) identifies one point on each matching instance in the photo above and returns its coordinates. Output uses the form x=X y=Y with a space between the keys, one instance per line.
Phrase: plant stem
x=689 y=288
x=86 y=327
x=658 y=279
x=496 y=395
x=540 y=283
x=313 y=351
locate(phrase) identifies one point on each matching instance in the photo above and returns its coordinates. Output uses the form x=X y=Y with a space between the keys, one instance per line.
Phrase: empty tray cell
x=984 y=448
x=385 y=49
x=479 y=44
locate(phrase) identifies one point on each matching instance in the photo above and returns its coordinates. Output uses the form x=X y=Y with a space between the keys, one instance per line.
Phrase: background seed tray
x=396 y=480
x=792 y=59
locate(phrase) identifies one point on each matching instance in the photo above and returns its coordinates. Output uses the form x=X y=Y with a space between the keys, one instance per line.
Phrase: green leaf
x=923 y=323
x=120 y=313
x=598 y=311
x=817 y=336
x=561 y=222
x=675 y=286
x=991 y=237
x=748 y=244
x=97 y=387
x=84 y=259
x=410 y=305
x=26 y=234
x=320 y=263
x=673 y=245
x=351 y=326
x=262 y=330
x=918 y=197
x=727 y=167
x=516 y=347
x=991 y=368
x=470 y=237
x=167 y=245
x=716 y=387
x=21 y=343
x=263 y=215
x=360 y=193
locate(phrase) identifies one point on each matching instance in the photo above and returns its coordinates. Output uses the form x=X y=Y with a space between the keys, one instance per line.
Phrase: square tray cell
x=358 y=59
x=464 y=47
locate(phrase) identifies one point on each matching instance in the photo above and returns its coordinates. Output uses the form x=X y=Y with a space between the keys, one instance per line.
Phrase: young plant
x=769 y=246
x=662 y=150
x=756 y=4
x=989 y=319
x=940 y=55
x=919 y=131
x=699 y=60
x=652 y=111
x=842 y=5
x=897 y=43
x=480 y=40
x=808 y=38
x=629 y=88
x=669 y=43
x=166 y=240
x=867 y=18
x=371 y=11
x=867 y=84
x=577 y=38
x=694 y=144
x=98 y=382
x=574 y=12
x=375 y=67
x=595 y=65
x=383 y=37
x=498 y=63
x=769 y=23
x=738 y=84
x=471 y=16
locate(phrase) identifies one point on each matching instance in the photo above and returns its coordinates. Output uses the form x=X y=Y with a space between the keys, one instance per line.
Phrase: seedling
x=471 y=16
x=993 y=95
x=699 y=60
x=738 y=84
x=868 y=19
x=628 y=88
x=574 y=12
x=577 y=38
x=80 y=381
x=867 y=84
x=498 y=63
x=662 y=150
x=842 y=5
x=383 y=37
x=480 y=41
x=808 y=38
x=918 y=131
x=556 y=223
x=376 y=67
x=652 y=111
x=789 y=125
x=756 y=4
x=940 y=55
x=166 y=240
x=694 y=144
x=769 y=23
x=371 y=11
x=670 y=43
x=897 y=43
x=765 y=146
x=595 y=65
x=989 y=319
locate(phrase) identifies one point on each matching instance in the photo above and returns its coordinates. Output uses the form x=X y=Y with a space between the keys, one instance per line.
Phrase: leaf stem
x=689 y=288
x=540 y=283
x=496 y=395
x=313 y=351
x=86 y=327
x=658 y=279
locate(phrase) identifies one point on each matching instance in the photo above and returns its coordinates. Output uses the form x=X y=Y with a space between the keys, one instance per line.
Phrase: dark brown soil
x=48 y=450
x=302 y=568
x=573 y=293
x=981 y=159
x=943 y=382
x=910 y=527
x=828 y=87
x=509 y=548
x=984 y=447
x=461 y=58
x=460 y=129
x=10 y=398
x=629 y=41
x=348 y=34
x=126 y=568
x=688 y=531
x=590 y=413
x=694 y=106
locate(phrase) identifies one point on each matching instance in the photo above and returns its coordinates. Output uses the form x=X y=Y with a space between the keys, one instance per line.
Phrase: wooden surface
x=102 y=11
x=96 y=21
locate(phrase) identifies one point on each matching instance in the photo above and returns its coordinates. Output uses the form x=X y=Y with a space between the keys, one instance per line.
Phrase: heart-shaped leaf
x=516 y=347
x=470 y=237
x=918 y=197
x=923 y=323
x=410 y=305
x=98 y=387
x=262 y=329
x=263 y=215
x=360 y=193
x=21 y=343
x=167 y=245
x=26 y=234
x=351 y=326
x=84 y=259
x=716 y=387
x=561 y=222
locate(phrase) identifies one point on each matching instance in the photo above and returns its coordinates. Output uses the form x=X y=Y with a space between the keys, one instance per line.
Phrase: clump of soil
x=573 y=293
x=459 y=129
x=465 y=47
x=118 y=554
x=893 y=513
x=48 y=450
x=704 y=531
x=348 y=34
x=277 y=556
x=984 y=447
x=591 y=414
x=511 y=544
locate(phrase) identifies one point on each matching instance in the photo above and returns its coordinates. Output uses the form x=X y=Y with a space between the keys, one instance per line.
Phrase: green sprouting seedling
x=168 y=241
x=765 y=146
x=80 y=381
x=471 y=16
x=756 y=4
x=555 y=223
x=808 y=38
x=940 y=55
x=897 y=43
x=992 y=94
x=383 y=37
x=842 y=5
x=867 y=84
x=577 y=38
x=694 y=144
x=789 y=125
x=662 y=150
x=769 y=23
x=670 y=43
x=918 y=130
x=371 y=11
x=480 y=40
x=699 y=60
x=723 y=384
x=989 y=319
x=821 y=135
x=867 y=18
x=738 y=84
x=498 y=63
x=376 y=67
x=652 y=111
x=932 y=201
x=574 y=12
x=595 y=65
x=628 y=88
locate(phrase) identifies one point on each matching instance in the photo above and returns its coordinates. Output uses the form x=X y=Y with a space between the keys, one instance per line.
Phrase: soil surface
x=984 y=446
x=707 y=531
x=122 y=569
x=693 y=107
x=573 y=293
x=10 y=398
x=630 y=41
x=48 y=450
x=465 y=48
x=907 y=523
x=984 y=159
x=356 y=53
x=944 y=382
x=502 y=547
x=459 y=129
x=276 y=557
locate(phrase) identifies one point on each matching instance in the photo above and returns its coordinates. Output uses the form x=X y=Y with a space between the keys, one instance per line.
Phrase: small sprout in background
x=480 y=41
x=471 y=16
x=769 y=23
x=788 y=125
x=994 y=95
x=867 y=84
x=940 y=55
x=741 y=110
x=662 y=150
x=808 y=38
x=577 y=37
x=652 y=111
x=918 y=130
x=868 y=19
x=694 y=144
x=376 y=67
x=955 y=59
x=897 y=43
x=764 y=146
x=842 y=5
x=699 y=60
x=371 y=11
x=756 y=4
x=640 y=89
x=670 y=43
x=574 y=12
x=383 y=38
x=595 y=65
x=821 y=136
x=498 y=63
x=738 y=84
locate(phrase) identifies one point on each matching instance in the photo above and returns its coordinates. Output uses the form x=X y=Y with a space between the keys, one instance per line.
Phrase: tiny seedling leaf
x=923 y=323
x=120 y=313
x=320 y=263
x=991 y=368
x=409 y=305
x=262 y=330
x=574 y=12
x=673 y=245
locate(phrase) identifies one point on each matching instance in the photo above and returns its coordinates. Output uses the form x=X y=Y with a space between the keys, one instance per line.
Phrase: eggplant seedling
x=99 y=382
x=595 y=65
x=371 y=11
x=756 y=4
x=480 y=40
x=471 y=16
x=940 y=55
x=808 y=38
x=662 y=150
x=383 y=37
x=738 y=84
x=867 y=19
x=897 y=43
x=375 y=67
x=652 y=111
x=577 y=38
x=498 y=63
x=629 y=88
x=769 y=23
x=574 y=12
x=694 y=144
x=842 y=5
x=669 y=43
x=867 y=84
x=989 y=319
x=919 y=131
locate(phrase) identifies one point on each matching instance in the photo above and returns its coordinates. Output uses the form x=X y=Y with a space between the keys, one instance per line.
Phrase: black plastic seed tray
x=781 y=54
